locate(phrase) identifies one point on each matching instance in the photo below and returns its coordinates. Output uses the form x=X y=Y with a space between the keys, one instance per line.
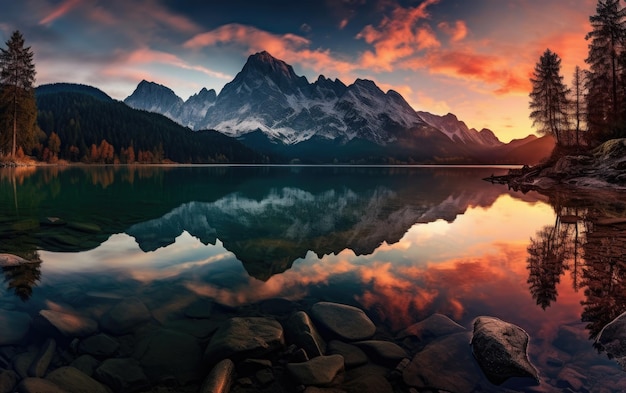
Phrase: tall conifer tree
x=605 y=82
x=548 y=99
x=17 y=75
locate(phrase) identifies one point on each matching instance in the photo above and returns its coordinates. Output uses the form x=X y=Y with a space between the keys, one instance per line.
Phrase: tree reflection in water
x=588 y=239
x=21 y=278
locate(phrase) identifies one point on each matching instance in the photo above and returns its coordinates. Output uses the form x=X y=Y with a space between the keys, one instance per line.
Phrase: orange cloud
x=61 y=10
x=457 y=32
x=398 y=37
x=291 y=48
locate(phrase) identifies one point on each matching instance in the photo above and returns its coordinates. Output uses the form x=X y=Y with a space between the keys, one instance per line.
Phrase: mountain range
x=271 y=109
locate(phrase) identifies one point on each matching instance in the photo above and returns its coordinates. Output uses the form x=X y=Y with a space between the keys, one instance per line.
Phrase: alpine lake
x=176 y=252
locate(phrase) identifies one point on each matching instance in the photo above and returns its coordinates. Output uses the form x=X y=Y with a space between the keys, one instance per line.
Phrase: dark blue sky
x=471 y=58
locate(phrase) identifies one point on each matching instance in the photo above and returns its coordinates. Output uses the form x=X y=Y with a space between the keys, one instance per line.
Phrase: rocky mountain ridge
x=267 y=95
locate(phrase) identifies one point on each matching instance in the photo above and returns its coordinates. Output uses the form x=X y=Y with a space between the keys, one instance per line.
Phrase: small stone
x=70 y=325
x=125 y=316
x=572 y=339
x=220 y=378
x=301 y=331
x=501 y=350
x=385 y=352
x=353 y=356
x=319 y=371
x=38 y=385
x=199 y=328
x=245 y=337
x=346 y=322
x=40 y=365
x=122 y=375
x=245 y=382
x=435 y=326
x=265 y=376
x=8 y=379
x=21 y=362
x=14 y=326
x=75 y=381
x=298 y=356
x=86 y=363
x=100 y=345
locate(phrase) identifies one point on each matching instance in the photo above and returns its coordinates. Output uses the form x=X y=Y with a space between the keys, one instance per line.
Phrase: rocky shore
x=602 y=168
x=275 y=346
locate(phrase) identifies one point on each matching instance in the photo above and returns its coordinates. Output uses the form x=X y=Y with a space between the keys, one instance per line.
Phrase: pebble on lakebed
x=324 y=347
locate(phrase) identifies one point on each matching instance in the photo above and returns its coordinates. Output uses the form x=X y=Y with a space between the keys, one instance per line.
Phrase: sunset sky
x=472 y=58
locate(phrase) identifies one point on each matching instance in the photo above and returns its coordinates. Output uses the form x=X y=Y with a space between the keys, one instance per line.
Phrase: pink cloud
x=457 y=32
x=145 y=55
x=291 y=48
x=58 y=12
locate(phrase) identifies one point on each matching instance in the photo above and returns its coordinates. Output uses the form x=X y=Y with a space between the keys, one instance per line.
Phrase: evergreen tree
x=577 y=90
x=548 y=99
x=605 y=82
x=17 y=75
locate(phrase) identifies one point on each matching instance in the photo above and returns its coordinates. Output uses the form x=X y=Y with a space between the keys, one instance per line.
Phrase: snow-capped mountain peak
x=268 y=96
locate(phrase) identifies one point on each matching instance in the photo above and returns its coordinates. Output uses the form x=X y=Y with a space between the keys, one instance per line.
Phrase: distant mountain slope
x=81 y=116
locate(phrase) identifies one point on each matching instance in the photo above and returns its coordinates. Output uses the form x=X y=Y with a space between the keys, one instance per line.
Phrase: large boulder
x=14 y=325
x=613 y=339
x=501 y=350
x=343 y=321
x=240 y=337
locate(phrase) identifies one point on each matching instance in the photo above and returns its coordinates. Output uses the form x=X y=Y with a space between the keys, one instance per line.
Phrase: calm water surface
x=400 y=243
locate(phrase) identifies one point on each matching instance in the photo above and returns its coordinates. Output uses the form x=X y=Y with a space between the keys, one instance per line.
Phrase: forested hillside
x=82 y=123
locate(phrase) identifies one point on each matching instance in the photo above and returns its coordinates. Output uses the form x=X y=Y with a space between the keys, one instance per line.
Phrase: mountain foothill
x=268 y=114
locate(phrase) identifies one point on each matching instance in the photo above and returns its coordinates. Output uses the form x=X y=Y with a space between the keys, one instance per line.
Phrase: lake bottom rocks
x=324 y=347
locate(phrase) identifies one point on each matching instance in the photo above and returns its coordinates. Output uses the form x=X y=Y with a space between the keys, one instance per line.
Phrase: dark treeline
x=83 y=124
x=593 y=110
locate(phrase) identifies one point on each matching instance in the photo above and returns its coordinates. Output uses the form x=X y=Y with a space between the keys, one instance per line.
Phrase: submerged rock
x=245 y=337
x=353 y=356
x=435 y=326
x=319 y=371
x=70 y=325
x=501 y=350
x=301 y=331
x=165 y=354
x=75 y=381
x=445 y=364
x=40 y=365
x=383 y=352
x=613 y=339
x=39 y=385
x=125 y=316
x=99 y=345
x=122 y=375
x=14 y=326
x=220 y=378
x=347 y=322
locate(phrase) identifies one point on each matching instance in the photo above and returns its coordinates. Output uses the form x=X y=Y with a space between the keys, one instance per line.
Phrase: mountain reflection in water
x=401 y=243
